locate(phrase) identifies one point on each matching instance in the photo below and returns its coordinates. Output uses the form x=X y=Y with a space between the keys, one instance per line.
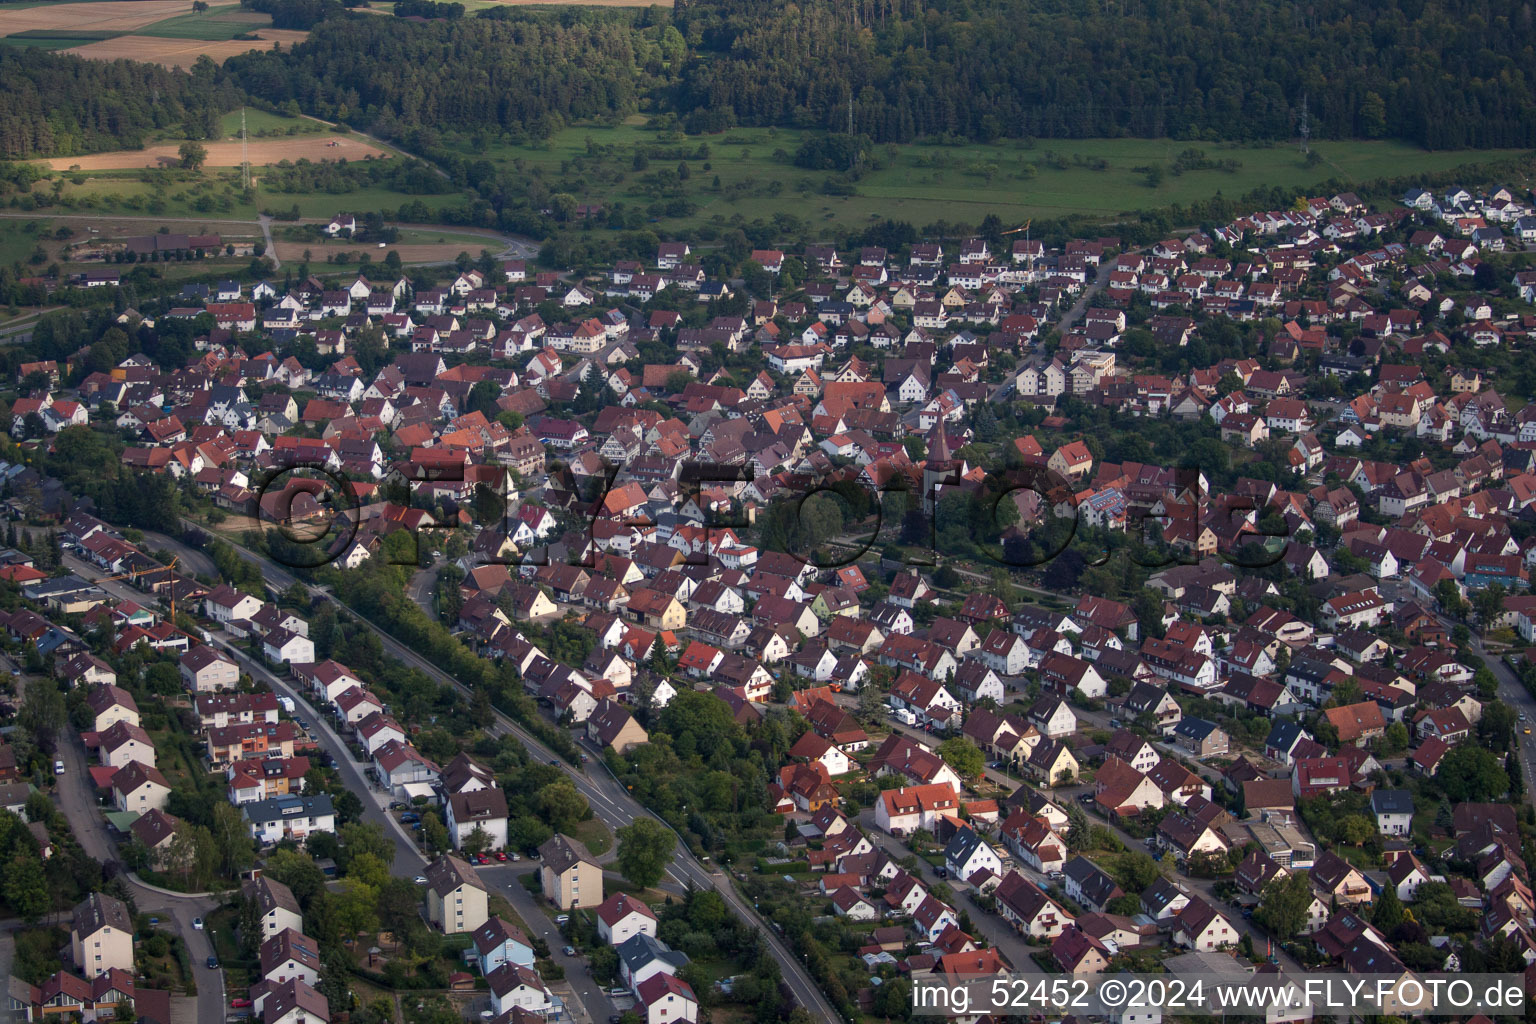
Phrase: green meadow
x=751 y=172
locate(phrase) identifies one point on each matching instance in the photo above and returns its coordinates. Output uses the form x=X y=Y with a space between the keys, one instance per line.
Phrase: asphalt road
x=609 y=800
x=76 y=799
x=998 y=933
x=504 y=879
x=409 y=860
x=1205 y=887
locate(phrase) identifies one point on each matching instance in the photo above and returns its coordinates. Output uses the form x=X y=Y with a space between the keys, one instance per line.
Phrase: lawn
x=263 y=124
x=17 y=242
x=751 y=172
x=238 y=972
x=594 y=835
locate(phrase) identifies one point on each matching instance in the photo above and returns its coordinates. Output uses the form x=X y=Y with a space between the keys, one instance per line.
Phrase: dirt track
x=227 y=154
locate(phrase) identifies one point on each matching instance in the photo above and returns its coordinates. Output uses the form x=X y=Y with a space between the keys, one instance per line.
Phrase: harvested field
x=227 y=153
x=183 y=53
x=106 y=16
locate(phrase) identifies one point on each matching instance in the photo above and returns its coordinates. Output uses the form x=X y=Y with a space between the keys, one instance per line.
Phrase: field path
x=266 y=233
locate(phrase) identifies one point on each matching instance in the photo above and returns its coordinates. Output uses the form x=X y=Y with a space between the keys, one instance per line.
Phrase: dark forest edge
x=1444 y=74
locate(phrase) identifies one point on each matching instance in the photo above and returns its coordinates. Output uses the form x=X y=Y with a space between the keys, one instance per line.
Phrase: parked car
x=58 y=767
x=501 y=855
x=420 y=879
x=569 y=950
x=213 y=963
x=563 y=920
x=197 y=923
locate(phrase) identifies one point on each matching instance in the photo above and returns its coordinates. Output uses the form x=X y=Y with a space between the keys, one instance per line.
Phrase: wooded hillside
x=1443 y=73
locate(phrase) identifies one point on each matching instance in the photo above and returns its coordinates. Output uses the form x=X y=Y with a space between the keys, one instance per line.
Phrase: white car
x=58 y=767
x=197 y=923
x=421 y=879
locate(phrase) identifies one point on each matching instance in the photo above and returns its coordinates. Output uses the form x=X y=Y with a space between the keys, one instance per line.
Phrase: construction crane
x=1021 y=227
x=142 y=572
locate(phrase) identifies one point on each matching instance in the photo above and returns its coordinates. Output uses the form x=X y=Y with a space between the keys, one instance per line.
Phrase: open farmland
x=228 y=153
x=164 y=32
x=183 y=53
x=475 y=6
x=105 y=16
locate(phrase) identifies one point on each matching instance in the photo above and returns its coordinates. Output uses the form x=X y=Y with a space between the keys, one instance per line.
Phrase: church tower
x=939 y=469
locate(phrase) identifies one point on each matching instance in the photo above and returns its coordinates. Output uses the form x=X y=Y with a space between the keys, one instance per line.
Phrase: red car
x=239 y=1004
x=501 y=855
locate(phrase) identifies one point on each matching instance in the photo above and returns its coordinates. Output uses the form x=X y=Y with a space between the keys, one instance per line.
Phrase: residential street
x=609 y=801
x=504 y=879
x=176 y=911
x=998 y=933
x=1205 y=887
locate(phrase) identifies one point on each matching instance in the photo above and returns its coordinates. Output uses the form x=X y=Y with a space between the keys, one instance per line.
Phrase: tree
x=360 y=838
x=26 y=888
x=42 y=712
x=1497 y=726
x=193 y=155
x=561 y=805
x=961 y=754
x=1488 y=602
x=232 y=838
x=298 y=871
x=1137 y=871
x=1284 y=903
x=1448 y=593
x=1469 y=773
x=434 y=832
x=646 y=848
x=1394 y=741
x=1077 y=827
x=1388 y=913
x=478 y=841
x=871 y=705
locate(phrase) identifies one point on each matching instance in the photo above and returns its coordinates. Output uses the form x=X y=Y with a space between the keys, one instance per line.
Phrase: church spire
x=938 y=451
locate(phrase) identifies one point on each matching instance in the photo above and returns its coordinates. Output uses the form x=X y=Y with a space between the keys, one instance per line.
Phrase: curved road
x=76 y=799
x=609 y=800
